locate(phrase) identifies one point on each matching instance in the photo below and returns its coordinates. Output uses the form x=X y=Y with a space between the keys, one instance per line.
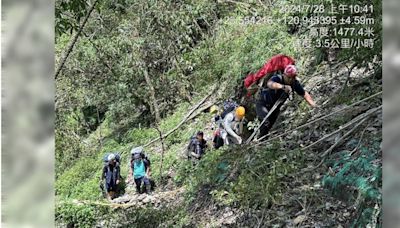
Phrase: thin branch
x=339 y=141
x=187 y=117
x=348 y=76
x=73 y=41
x=162 y=151
x=318 y=119
x=265 y=118
x=358 y=118
x=359 y=142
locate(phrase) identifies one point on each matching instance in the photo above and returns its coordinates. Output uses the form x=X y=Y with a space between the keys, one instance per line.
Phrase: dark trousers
x=139 y=181
x=262 y=110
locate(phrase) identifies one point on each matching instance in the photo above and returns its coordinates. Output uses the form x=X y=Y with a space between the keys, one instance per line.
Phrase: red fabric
x=249 y=80
x=277 y=62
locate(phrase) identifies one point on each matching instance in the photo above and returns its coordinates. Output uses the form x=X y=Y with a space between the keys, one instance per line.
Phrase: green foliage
x=248 y=177
x=236 y=49
x=358 y=178
x=186 y=47
x=81 y=180
x=77 y=215
x=139 y=136
x=68 y=14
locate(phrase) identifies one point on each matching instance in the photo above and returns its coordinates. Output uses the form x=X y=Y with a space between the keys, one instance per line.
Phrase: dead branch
x=187 y=117
x=114 y=205
x=339 y=141
x=316 y=120
x=356 y=119
x=359 y=141
x=349 y=70
x=162 y=150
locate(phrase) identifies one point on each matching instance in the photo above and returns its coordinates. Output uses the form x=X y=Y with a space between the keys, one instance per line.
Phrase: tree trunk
x=152 y=95
x=157 y=115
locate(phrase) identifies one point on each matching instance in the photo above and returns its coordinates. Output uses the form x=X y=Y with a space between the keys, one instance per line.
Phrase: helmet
x=214 y=109
x=137 y=150
x=290 y=70
x=111 y=157
x=240 y=111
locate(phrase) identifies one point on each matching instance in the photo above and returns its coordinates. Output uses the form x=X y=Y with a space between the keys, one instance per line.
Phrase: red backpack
x=276 y=63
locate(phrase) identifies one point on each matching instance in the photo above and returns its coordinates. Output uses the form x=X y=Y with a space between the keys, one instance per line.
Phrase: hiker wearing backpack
x=279 y=86
x=140 y=169
x=233 y=126
x=110 y=177
x=256 y=81
x=197 y=146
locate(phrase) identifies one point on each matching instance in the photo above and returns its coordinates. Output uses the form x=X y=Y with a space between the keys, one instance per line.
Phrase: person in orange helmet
x=233 y=125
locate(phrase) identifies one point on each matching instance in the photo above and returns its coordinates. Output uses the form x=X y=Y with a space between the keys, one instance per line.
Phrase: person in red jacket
x=277 y=63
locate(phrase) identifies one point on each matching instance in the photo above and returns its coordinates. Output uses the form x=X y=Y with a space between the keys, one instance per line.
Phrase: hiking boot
x=148 y=189
x=112 y=194
x=108 y=196
x=138 y=189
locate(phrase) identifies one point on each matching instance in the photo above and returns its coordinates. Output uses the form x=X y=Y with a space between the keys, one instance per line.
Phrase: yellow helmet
x=240 y=111
x=214 y=109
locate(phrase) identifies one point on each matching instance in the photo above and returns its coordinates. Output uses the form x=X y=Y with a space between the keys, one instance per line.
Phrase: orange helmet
x=240 y=111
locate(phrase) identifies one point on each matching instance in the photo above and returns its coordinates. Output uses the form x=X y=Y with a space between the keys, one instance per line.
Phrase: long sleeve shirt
x=228 y=123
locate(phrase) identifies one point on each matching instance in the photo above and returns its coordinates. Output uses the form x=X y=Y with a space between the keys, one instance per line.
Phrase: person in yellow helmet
x=233 y=125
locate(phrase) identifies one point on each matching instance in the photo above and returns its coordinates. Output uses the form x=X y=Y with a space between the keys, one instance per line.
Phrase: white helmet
x=111 y=157
x=137 y=150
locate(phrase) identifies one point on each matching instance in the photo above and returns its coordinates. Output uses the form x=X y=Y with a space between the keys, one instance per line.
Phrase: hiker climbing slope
x=140 y=169
x=233 y=125
x=197 y=146
x=110 y=177
x=277 y=64
x=278 y=87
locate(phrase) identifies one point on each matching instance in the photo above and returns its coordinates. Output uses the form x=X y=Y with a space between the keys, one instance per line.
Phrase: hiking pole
x=265 y=118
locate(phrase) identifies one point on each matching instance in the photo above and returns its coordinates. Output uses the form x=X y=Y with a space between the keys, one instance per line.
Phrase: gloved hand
x=239 y=139
x=287 y=89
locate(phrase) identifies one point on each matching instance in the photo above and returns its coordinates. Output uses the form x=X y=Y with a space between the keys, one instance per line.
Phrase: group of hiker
x=139 y=173
x=267 y=90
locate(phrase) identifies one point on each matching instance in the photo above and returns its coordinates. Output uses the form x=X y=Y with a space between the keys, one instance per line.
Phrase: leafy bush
x=76 y=215
x=80 y=180
x=245 y=176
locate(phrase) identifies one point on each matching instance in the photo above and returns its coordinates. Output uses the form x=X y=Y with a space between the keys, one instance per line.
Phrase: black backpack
x=191 y=146
x=218 y=141
x=228 y=106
